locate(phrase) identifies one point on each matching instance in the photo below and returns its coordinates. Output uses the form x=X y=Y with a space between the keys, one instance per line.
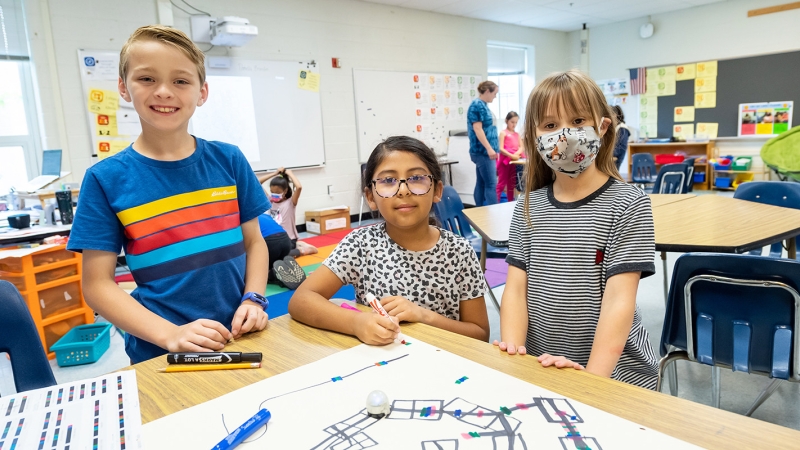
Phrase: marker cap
x=251 y=357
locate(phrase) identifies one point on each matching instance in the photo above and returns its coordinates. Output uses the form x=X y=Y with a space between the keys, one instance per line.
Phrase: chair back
x=689 y=175
x=643 y=168
x=449 y=212
x=19 y=338
x=737 y=311
x=775 y=193
x=671 y=179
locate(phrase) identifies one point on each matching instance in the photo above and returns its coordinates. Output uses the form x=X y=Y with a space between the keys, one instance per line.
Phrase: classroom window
x=19 y=139
x=506 y=67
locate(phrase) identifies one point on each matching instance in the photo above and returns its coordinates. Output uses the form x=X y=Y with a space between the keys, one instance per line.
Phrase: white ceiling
x=561 y=15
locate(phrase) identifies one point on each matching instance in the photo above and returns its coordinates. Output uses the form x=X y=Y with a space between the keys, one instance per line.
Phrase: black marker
x=212 y=358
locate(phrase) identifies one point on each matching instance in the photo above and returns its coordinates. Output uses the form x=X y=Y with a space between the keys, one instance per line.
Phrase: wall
x=362 y=35
x=716 y=31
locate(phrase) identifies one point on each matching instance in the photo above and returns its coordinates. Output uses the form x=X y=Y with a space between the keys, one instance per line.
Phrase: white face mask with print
x=570 y=150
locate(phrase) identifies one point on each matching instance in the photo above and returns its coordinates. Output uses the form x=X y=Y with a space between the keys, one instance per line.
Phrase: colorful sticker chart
x=97 y=413
x=440 y=98
x=765 y=119
x=430 y=409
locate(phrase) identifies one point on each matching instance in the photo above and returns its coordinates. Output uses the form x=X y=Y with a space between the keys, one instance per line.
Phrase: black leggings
x=279 y=246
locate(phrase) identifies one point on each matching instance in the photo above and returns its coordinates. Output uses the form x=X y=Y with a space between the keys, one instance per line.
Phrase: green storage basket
x=742 y=163
x=83 y=344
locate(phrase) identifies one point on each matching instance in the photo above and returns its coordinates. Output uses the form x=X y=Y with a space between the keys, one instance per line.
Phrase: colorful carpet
x=496 y=272
x=279 y=296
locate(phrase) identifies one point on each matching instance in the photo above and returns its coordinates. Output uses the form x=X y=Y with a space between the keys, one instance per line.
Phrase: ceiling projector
x=232 y=31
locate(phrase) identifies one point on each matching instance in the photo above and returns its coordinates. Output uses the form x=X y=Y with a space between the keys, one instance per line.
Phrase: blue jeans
x=486 y=182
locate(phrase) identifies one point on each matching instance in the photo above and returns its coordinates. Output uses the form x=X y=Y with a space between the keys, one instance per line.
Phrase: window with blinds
x=506 y=60
x=13 y=39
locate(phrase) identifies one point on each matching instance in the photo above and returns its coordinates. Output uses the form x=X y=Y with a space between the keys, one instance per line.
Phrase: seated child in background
x=578 y=243
x=419 y=272
x=184 y=210
x=284 y=203
x=283 y=269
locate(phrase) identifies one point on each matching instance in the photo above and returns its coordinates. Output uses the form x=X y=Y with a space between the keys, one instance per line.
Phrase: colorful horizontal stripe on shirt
x=182 y=216
x=185 y=248
x=182 y=233
x=175 y=202
x=189 y=263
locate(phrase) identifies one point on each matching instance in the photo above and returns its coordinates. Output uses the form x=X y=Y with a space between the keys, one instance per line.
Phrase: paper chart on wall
x=440 y=98
x=685 y=72
x=648 y=115
x=438 y=401
x=113 y=123
x=97 y=413
x=684 y=114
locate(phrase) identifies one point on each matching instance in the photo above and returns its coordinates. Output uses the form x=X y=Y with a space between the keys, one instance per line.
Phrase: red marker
x=376 y=305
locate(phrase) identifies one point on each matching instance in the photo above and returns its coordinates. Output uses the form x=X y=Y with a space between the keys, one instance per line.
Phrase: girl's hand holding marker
x=376 y=305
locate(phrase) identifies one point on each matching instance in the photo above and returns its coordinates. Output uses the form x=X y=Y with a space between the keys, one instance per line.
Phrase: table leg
x=791 y=247
x=483 y=255
x=450 y=173
x=664 y=267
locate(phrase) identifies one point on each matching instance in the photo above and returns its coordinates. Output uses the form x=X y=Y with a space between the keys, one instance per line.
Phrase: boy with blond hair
x=185 y=211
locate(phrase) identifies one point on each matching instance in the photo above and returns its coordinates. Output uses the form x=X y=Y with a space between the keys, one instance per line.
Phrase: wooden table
x=287 y=344
x=664 y=199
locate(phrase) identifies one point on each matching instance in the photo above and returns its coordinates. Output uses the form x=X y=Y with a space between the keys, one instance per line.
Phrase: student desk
x=44 y=195
x=32 y=234
x=664 y=199
x=288 y=344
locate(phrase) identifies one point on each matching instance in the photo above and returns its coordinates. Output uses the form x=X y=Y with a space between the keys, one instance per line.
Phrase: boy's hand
x=558 y=361
x=374 y=329
x=510 y=348
x=249 y=317
x=202 y=335
x=403 y=309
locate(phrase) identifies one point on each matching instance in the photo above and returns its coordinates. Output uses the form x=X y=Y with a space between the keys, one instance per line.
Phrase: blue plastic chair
x=19 y=338
x=671 y=179
x=735 y=311
x=690 y=175
x=449 y=212
x=775 y=193
x=643 y=169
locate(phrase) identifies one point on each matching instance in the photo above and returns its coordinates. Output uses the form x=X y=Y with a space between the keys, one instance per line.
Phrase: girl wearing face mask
x=283 y=199
x=579 y=242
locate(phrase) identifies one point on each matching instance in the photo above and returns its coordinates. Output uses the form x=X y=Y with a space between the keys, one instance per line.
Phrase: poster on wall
x=765 y=119
x=614 y=86
x=440 y=98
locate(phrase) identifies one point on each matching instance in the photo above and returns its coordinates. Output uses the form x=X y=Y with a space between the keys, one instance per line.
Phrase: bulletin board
x=755 y=79
x=270 y=109
x=418 y=104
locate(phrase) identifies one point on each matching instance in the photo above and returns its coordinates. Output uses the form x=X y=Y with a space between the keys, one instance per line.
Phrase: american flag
x=638 y=81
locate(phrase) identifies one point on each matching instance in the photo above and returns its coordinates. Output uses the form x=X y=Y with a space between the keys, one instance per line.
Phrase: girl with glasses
x=419 y=272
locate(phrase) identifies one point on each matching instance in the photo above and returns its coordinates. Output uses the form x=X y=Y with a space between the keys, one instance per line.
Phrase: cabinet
x=50 y=284
x=702 y=150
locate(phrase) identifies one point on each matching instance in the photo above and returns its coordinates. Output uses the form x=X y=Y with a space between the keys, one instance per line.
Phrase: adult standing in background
x=623 y=134
x=483 y=145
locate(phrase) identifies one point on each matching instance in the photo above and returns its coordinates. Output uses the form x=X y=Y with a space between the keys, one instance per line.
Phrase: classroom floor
x=738 y=392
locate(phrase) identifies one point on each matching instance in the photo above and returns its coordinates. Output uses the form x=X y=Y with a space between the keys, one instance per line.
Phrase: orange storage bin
x=50 y=282
x=60 y=299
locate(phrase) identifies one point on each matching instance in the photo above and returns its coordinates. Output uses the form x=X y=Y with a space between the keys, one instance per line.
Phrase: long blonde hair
x=579 y=95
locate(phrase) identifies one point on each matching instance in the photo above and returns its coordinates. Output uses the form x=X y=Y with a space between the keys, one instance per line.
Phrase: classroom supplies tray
x=84 y=344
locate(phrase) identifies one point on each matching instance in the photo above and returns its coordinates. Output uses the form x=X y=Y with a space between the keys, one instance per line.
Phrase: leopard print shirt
x=437 y=279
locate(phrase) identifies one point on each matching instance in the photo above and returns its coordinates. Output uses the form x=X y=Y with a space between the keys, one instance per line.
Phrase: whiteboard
x=422 y=105
x=255 y=105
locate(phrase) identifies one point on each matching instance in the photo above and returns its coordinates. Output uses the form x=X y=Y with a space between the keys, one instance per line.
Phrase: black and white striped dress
x=568 y=255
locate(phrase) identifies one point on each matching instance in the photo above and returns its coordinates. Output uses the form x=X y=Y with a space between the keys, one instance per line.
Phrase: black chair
x=734 y=311
x=19 y=338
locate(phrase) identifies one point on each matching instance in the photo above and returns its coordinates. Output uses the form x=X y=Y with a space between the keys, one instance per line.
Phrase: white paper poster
x=438 y=401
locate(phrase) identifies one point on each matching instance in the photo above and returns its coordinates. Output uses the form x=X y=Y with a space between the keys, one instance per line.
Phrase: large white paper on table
x=439 y=401
x=97 y=413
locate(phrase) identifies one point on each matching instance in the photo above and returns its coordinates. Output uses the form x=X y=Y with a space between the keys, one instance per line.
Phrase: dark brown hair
x=487 y=85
